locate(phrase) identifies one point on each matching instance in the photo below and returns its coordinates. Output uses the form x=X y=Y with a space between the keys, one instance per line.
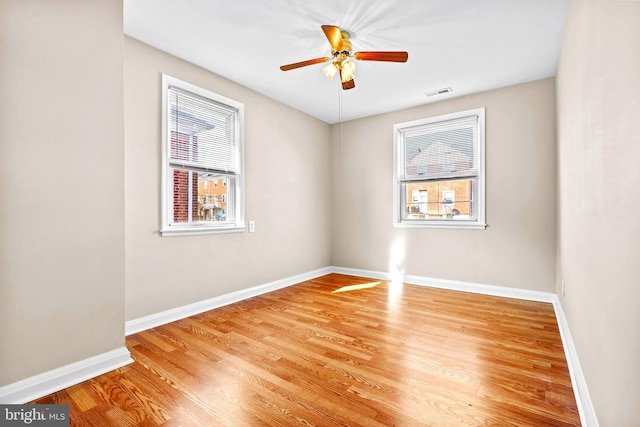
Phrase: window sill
x=196 y=231
x=448 y=224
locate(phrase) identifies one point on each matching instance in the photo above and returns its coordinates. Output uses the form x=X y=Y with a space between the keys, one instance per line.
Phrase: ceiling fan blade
x=303 y=64
x=382 y=56
x=334 y=35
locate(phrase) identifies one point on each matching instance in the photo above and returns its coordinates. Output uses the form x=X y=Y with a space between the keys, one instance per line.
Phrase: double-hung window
x=439 y=171
x=202 y=160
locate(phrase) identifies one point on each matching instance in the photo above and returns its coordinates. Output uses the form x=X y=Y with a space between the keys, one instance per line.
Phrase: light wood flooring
x=341 y=351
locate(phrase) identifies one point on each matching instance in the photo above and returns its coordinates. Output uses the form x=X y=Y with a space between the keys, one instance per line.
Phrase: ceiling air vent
x=438 y=92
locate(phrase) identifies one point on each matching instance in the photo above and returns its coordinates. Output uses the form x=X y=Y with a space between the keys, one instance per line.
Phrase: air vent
x=438 y=92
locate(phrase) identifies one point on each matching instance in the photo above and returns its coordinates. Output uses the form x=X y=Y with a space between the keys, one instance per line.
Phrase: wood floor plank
x=341 y=351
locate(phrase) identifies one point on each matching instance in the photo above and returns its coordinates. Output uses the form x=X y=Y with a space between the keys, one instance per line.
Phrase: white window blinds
x=203 y=133
x=441 y=150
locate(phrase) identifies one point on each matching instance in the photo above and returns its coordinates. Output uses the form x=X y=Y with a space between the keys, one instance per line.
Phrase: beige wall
x=61 y=181
x=63 y=266
x=518 y=247
x=287 y=195
x=599 y=227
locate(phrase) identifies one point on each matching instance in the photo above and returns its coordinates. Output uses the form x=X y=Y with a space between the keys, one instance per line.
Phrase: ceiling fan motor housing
x=346 y=46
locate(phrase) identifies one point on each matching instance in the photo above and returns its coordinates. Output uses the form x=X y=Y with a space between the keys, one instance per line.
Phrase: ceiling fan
x=341 y=59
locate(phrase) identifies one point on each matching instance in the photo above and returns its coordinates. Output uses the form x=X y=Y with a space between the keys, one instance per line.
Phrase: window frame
x=236 y=192
x=479 y=199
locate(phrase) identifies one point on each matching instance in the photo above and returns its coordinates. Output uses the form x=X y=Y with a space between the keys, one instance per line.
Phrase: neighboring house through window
x=439 y=171
x=202 y=141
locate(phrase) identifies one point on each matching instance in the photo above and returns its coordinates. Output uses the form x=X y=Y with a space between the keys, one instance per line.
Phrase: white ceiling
x=468 y=45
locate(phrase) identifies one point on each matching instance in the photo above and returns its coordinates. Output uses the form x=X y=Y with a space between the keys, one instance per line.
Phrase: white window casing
x=433 y=158
x=202 y=139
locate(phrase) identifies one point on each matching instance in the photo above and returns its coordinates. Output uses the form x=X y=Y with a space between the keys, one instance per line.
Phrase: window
x=448 y=197
x=439 y=171
x=202 y=141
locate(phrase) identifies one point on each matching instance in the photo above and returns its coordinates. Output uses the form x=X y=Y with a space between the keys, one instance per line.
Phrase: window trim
x=200 y=228
x=399 y=130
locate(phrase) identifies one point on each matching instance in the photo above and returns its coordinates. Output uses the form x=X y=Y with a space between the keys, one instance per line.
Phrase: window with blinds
x=202 y=160
x=439 y=171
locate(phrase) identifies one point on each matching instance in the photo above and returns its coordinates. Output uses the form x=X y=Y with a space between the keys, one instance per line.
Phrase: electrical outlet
x=252 y=226
x=562 y=287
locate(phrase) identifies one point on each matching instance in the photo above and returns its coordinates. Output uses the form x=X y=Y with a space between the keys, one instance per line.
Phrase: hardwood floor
x=341 y=351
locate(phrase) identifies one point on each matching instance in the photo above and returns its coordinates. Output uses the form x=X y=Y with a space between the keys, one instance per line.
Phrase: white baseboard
x=583 y=400
x=588 y=416
x=48 y=382
x=163 y=317
x=476 y=288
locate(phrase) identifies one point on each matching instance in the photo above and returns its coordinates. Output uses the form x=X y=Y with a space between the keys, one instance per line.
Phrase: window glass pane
x=439 y=200
x=202 y=132
x=201 y=197
x=437 y=151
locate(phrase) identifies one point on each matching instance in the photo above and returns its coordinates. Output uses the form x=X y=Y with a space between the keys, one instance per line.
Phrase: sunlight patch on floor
x=394 y=295
x=356 y=287
x=395 y=290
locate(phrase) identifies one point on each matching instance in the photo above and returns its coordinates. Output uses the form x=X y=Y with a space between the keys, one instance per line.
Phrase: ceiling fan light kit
x=331 y=70
x=341 y=60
